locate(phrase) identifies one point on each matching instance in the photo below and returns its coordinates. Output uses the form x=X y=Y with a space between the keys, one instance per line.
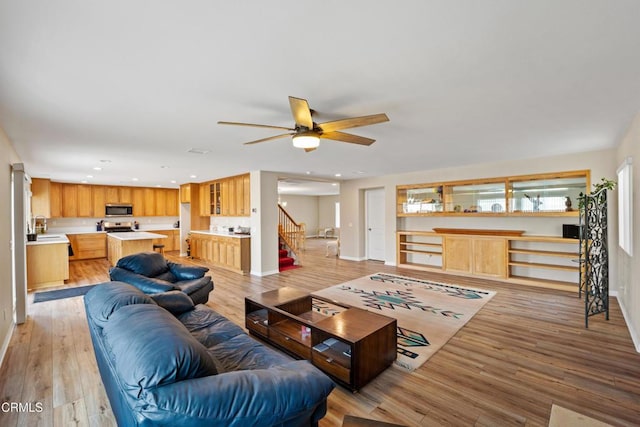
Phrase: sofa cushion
x=185 y=272
x=176 y=302
x=209 y=327
x=190 y=286
x=148 y=285
x=150 y=264
x=105 y=299
x=152 y=348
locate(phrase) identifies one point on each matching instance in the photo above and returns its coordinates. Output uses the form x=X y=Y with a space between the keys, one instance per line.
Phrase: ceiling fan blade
x=269 y=138
x=353 y=122
x=347 y=137
x=254 y=125
x=301 y=112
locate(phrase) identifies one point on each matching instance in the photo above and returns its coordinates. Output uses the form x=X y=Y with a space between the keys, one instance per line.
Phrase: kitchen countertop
x=138 y=235
x=49 y=239
x=217 y=233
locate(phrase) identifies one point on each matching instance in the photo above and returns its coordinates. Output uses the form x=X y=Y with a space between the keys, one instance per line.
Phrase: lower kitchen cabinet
x=172 y=242
x=229 y=252
x=88 y=245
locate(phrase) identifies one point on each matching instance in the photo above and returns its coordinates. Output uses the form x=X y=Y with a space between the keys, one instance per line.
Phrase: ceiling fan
x=307 y=133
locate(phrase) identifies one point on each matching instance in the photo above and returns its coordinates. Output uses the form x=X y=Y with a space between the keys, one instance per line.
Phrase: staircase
x=285 y=261
x=290 y=236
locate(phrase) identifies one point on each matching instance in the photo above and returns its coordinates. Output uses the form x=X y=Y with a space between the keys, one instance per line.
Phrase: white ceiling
x=140 y=83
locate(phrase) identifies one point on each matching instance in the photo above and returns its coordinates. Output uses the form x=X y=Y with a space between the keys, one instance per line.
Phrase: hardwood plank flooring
x=524 y=351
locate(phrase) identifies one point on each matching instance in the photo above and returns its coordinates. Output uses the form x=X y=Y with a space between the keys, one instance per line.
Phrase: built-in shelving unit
x=544 y=261
x=549 y=194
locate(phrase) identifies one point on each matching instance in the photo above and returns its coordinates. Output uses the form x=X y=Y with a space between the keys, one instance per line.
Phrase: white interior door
x=374 y=214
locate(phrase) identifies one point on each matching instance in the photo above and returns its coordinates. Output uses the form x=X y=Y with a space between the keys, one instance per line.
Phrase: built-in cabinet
x=67 y=200
x=226 y=197
x=88 y=245
x=550 y=194
x=171 y=243
x=231 y=253
x=544 y=261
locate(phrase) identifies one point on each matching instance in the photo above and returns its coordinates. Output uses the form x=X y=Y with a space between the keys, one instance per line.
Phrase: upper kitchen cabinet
x=185 y=193
x=57 y=200
x=550 y=194
x=226 y=197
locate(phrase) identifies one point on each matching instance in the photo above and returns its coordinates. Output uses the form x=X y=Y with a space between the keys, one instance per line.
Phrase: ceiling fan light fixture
x=306 y=141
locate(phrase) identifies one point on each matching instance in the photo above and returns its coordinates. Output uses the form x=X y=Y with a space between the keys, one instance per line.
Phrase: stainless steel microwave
x=119 y=209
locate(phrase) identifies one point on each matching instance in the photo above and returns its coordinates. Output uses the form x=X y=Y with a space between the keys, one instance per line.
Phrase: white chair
x=333 y=246
x=325 y=232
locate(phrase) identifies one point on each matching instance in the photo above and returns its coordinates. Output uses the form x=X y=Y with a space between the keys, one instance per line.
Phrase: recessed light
x=158 y=185
x=84 y=181
x=335 y=184
x=173 y=181
x=89 y=176
x=134 y=179
x=338 y=175
x=97 y=168
x=308 y=172
x=193 y=176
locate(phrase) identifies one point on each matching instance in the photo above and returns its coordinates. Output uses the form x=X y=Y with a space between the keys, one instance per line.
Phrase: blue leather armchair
x=152 y=273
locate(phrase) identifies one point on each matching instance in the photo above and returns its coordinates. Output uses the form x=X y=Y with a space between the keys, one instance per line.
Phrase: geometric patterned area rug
x=428 y=313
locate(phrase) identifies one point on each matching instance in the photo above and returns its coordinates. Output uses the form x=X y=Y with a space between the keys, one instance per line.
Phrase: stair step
x=283 y=253
x=285 y=261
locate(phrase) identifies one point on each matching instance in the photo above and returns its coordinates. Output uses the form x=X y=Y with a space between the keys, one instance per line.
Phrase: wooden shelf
x=544 y=253
x=411 y=251
x=545 y=266
x=489 y=255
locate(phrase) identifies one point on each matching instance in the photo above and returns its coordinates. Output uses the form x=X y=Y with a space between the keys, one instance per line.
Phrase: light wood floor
x=524 y=351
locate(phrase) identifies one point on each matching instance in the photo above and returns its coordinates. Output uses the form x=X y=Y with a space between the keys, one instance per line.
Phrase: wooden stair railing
x=290 y=231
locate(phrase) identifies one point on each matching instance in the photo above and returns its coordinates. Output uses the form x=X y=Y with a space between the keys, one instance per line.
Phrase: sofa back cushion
x=151 y=348
x=150 y=264
x=105 y=299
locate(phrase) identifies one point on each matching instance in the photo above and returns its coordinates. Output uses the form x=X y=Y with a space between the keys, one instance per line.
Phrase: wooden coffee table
x=352 y=347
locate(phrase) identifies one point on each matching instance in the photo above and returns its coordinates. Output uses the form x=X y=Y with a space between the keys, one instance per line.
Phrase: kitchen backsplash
x=146 y=222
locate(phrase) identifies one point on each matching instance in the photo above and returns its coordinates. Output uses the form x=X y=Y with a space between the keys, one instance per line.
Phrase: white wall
x=8 y=157
x=327 y=211
x=601 y=164
x=303 y=209
x=627 y=267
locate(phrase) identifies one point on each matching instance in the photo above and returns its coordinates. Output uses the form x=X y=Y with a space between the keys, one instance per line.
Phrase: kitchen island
x=47 y=261
x=226 y=250
x=121 y=244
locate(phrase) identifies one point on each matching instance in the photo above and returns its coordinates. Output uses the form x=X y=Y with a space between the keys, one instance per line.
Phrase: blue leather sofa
x=152 y=273
x=166 y=362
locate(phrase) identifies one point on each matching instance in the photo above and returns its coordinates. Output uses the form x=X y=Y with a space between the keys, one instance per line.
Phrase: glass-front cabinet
x=552 y=194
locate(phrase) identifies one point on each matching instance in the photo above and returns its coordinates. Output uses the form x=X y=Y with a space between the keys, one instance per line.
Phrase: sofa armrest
x=147 y=285
x=185 y=272
x=191 y=286
x=265 y=397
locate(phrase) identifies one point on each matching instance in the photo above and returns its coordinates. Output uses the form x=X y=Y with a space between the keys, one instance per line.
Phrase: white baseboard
x=264 y=273
x=391 y=264
x=349 y=258
x=634 y=334
x=5 y=344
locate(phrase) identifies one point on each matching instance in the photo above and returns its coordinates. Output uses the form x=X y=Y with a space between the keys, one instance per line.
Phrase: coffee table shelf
x=353 y=346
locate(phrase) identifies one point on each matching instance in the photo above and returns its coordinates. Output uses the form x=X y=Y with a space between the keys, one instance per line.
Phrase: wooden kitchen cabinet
x=185 y=193
x=173 y=207
x=149 y=202
x=69 y=200
x=171 y=243
x=55 y=194
x=231 y=253
x=88 y=245
x=226 y=197
x=112 y=194
x=85 y=201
